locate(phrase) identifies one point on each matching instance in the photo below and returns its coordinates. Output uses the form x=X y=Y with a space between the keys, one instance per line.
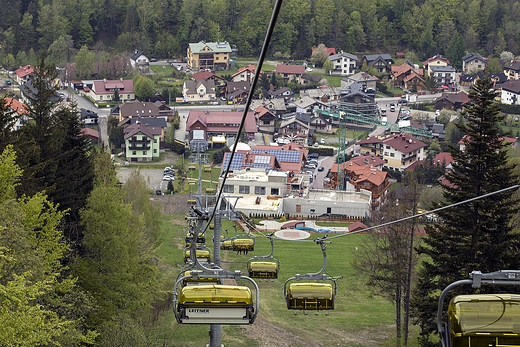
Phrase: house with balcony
x=405 y=76
x=510 y=92
x=436 y=60
x=208 y=55
x=21 y=110
x=277 y=106
x=138 y=60
x=473 y=62
x=245 y=74
x=265 y=120
x=237 y=91
x=399 y=151
x=307 y=104
x=220 y=123
x=208 y=75
x=343 y=63
x=24 y=73
x=199 y=91
x=512 y=71
x=296 y=127
x=360 y=174
x=365 y=79
x=141 y=142
x=380 y=62
x=444 y=76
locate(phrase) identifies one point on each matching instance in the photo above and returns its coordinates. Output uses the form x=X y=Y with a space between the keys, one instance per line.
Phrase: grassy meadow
x=359 y=318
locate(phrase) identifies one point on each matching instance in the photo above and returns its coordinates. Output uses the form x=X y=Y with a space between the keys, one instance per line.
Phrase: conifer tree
x=477 y=235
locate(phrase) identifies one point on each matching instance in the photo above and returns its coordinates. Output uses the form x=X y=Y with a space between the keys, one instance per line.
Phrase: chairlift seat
x=202 y=256
x=200 y=280
x=310 y=296
x=485 y=320
x=226 y=245
x=263 y=269
x=216 y=304
x=246 y=244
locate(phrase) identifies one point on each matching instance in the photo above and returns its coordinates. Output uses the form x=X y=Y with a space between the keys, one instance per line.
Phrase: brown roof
x=141 y=128
x=108 y=86
x=356 y=226
x=90 y=132
x=251 y=68
x=443 y=158
x=204 y=75
x=136 y=108
x=454 y=98
x=401 y=142
x=290 y=69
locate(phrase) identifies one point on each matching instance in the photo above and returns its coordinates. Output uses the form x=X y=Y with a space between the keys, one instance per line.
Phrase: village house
x=380 y=62
x=399 y=151
x=436 y=60
x=21 y=109
x=198 y=91
x=237 y=91
x=510 y=92
x=444 y=76
x=138 y=60
x=244 y=74
x=103 y=90
x=208 y=55
x=512 y=71
x=473 y=62
x=141 y=142
x=323 y=93
x=220 y=123
x=452 y=101
x=207 y=76
x=306 y=104
x=364 y=172
x=23 y=74
x=265 y=120
x=277 y=106
x=362 y=77
x=290 y=72
x=296 y=127
x=343 y=63
x=407 y=76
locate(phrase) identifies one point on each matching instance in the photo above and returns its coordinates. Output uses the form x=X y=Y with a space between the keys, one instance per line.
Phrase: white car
x=168 y=178
x=322 y=141
x=308 y=69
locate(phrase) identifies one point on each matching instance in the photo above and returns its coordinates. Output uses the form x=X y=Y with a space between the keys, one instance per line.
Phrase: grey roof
x=31 y=92
x=439 y=68
x=471 y=56
x=151 y=122
x=343 y=54
x=313 y=78
x=372 y=57
x=409 y=62
x=305 y=101
x=136 y=54
x=360 y=77
x=512 y=86
x=192 y=86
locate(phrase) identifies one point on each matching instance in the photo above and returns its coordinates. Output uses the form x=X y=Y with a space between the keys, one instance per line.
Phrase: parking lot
x=154 y=177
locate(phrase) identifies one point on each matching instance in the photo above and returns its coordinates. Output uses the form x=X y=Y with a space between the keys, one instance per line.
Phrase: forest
x=163 y=28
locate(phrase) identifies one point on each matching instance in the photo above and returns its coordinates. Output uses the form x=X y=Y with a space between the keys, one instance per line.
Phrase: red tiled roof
x=434 y=58
x=443 y=157
x=16 y=106
x=330 y=51
x=251 y=68
x=222 y=117
x=356 y=226
x=204 y=75
x=24 y=71
x=90 y=132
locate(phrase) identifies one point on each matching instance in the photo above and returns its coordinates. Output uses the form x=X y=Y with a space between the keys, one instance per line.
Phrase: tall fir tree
x=477 y=235
x=53 y=152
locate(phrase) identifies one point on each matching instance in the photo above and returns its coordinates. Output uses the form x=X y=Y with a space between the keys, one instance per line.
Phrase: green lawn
x=359 y=318
x=333 y=224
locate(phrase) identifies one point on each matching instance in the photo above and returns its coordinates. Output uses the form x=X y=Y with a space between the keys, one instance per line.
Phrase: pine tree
x=476 y=235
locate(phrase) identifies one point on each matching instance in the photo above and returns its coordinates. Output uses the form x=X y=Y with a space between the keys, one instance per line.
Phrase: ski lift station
x=275 y=193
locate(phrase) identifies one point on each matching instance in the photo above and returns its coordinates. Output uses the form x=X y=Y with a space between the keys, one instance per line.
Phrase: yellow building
x=208 y=55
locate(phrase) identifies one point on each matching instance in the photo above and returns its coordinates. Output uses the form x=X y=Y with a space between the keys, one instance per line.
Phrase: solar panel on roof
x=262 y=159
x=236 y=164
x=284 y=156
x=221 y=46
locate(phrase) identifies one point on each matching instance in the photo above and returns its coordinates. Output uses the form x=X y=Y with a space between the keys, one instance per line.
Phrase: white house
x=344 y=63
x=138 y=60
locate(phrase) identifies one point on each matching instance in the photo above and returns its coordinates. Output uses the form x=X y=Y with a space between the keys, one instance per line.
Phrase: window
x=275 y=191
x=259 y=190
x=144 y=152
x=155 y=150
x=392 y=154
x=155 y=140
x=243 y=189
x=329 y=210
x=229 y=188
x=266 y=122
x=134 y=153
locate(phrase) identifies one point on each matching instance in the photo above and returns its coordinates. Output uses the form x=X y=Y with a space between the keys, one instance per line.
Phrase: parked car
x=321 y=168
x=314 y=155
x=322 y=141
x=7 y=82
x=316 y=144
